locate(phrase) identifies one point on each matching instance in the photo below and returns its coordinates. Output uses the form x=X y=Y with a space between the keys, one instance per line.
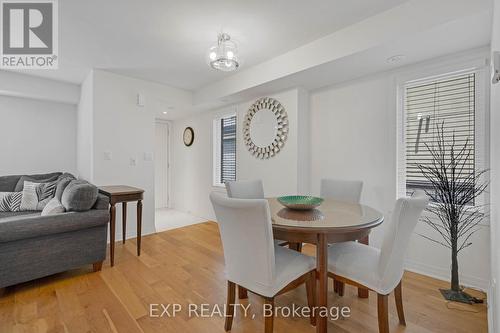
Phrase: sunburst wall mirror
x=265 y=128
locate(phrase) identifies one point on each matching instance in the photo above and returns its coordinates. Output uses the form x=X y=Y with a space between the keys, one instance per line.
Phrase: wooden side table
x=122 y=194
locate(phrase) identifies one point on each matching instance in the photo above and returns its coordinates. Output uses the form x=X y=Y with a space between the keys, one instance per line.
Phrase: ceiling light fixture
x=396 y=58
x=224 y=55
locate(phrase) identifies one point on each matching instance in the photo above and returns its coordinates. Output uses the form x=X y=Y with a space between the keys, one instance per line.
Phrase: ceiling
x=418 y=29
x=166 y=41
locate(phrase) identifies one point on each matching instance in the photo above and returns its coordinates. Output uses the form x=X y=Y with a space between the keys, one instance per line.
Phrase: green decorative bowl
x=300 y=202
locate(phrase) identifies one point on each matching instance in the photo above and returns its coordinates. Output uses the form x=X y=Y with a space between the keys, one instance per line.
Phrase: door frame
x=169 y=130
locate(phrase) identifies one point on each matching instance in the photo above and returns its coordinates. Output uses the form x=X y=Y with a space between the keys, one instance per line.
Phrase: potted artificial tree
x=455 y=215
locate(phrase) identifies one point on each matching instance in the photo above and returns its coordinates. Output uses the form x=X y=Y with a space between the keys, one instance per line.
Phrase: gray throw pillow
x=54 y=206
x=10 y=201
x=36 y=179
x=62 y=182
x=79 y=196
x=37 y=195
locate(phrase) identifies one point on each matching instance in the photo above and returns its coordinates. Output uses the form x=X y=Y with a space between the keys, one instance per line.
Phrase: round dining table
x=332 y=222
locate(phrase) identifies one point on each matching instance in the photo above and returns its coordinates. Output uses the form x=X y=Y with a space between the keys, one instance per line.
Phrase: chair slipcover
x=342 y=190
x=252 y=259
x=380 y=270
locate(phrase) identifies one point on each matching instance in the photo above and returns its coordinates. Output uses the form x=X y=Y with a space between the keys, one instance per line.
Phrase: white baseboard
x=492 y=308
x=444 y=274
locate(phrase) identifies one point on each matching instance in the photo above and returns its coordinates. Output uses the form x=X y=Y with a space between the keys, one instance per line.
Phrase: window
x=224 y=149
x=446 y=100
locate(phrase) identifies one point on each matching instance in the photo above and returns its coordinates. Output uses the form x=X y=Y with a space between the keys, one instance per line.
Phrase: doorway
x=162 y=129
x=166 y=217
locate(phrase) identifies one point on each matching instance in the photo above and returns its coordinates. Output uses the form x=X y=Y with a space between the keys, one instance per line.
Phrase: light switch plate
x=148 y=156
x=141 y=100
x=108 y=156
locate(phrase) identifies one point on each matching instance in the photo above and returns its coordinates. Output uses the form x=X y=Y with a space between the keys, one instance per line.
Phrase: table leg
x=242 y=293
x=295 y=246
x=322 y=271
x=124 y=220
x=112 y=224
x=139 y=226
x=363 y=292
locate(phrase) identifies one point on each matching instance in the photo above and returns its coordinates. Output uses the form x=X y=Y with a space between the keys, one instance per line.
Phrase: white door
x=161 y=164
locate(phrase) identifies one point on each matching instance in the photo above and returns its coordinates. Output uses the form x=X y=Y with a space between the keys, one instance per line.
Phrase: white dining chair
x=380 y=270
x=347 y=191
x=252 y=259
x=342 y=190
x=248 y=189
x=245 y=189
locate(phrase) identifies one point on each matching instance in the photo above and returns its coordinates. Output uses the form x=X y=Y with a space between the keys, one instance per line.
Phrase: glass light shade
x=224 y=55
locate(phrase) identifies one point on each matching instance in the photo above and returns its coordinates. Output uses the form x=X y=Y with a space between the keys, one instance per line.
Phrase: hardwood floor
x=186 y=266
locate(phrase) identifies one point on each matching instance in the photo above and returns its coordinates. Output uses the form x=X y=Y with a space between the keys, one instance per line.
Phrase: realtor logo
x=29 y=34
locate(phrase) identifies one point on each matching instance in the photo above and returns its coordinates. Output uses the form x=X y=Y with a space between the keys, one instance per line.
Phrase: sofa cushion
x=54 y=206
x=8 y=183
x=17 y=214
x=40 y=178
x=33 y=225
x=66 y=175
x=79 y=196
x=102 y=202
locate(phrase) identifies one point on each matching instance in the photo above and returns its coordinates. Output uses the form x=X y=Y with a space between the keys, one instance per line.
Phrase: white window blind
x=446 y=100
x=228 y=149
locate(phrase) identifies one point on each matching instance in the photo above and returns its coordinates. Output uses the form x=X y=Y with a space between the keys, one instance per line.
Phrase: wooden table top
x=331 y=216
x=120 y=190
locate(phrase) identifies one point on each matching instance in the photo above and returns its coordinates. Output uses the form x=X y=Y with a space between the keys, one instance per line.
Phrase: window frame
x=217 y=147
x=476 y=65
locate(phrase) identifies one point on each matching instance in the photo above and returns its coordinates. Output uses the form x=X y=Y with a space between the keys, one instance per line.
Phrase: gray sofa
x=34 y=246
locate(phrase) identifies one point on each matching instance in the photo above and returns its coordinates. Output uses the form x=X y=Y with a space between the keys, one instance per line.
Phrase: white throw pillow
x=54 y=206
x=37 y=195
x=10 y=201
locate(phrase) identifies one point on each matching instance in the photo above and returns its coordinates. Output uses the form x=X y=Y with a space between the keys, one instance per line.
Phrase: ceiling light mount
x=395 y=59
x=224 y=56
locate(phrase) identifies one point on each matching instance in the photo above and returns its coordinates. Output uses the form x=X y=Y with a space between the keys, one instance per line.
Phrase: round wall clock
x=188 y=136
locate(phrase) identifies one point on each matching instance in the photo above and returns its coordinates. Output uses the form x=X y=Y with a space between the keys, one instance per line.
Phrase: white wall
x=37 y=136
x=15 y=84
x=192 y=173
x=354 y=136
x=279 y=173
x=127 y=132
x=303 y=142
x=494 y=297
x=85 y=129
